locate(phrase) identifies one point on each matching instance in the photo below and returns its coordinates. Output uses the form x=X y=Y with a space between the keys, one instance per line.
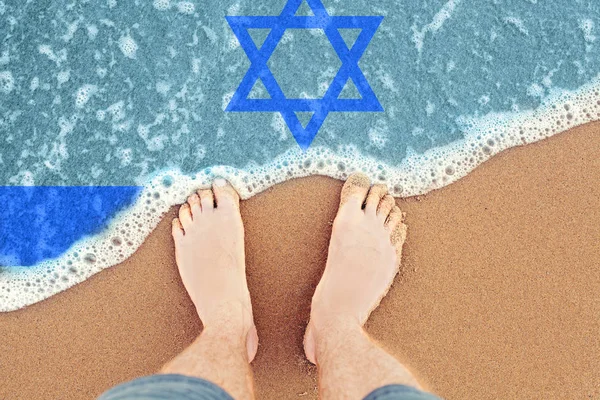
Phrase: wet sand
x=498 y=295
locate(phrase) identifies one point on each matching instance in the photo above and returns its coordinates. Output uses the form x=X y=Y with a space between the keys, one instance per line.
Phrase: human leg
x=364 y=257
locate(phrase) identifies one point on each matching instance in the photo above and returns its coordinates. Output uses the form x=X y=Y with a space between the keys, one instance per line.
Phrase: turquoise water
x=156 y=78
x=135 y=93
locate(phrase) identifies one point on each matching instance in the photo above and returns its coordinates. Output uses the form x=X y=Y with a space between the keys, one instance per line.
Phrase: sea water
x=130 y=97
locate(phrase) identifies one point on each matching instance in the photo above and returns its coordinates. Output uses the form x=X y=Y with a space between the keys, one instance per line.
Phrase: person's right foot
x=364 y=257
x=209 y=249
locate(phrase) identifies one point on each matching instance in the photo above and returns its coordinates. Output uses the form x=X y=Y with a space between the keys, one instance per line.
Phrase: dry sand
x=498 y=295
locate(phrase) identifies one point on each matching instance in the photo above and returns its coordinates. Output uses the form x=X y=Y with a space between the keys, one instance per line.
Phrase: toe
x=176 y=228
x=225 y=194
x=185 y=215
x=385 y=206
x=374 y=198
x=398 y=238
x=399 y=235
x=355 y=189
x=207 y=199
x=194 y=202
x=394 y=219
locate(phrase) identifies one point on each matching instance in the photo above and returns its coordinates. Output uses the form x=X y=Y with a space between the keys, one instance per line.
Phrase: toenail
x=220 y=182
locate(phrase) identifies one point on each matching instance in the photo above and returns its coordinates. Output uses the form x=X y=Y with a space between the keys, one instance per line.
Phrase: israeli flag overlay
x=114 y=111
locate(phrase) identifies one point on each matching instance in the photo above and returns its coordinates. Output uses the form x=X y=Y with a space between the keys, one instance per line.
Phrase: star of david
x=320 y=108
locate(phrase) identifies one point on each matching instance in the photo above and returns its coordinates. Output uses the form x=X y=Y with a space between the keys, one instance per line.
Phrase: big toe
x=225 y=195
x=355 y=189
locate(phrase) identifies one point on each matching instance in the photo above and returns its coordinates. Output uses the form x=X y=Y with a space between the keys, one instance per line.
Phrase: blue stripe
x=42 y=222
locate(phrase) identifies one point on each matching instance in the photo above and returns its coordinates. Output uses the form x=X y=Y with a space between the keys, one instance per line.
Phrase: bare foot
x=364 y=257
x=209 y=249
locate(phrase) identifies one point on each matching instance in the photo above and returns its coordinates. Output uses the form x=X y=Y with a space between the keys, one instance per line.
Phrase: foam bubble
x=92 y=31
x=128 y=46
x=186 y=7
x=387 y=81
x=233 y=43
x=5 y=58
x=71 y=29
x=278 y=124
x=163 y=87
x=101 y=72
x=7 y=82
x=430 y=108
x=196 y=64
x=234 y=9
x=63 y=77
x=436 y=23
x=517 y=23
x=162 y=5
x=587 y=26
x=201 y=151
x=117 y=111
x=210 y=34
x=535 y=90
x=143 y=131
x=125 y=156
x=226 y=99
x=157 y=143
x=83 y=95
x=22 y=178
x=45 y=50
x=378 y=135
x=287 y=37
x=35 y=83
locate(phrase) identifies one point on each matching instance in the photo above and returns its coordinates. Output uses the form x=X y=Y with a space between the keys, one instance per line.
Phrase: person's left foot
x=209 y=249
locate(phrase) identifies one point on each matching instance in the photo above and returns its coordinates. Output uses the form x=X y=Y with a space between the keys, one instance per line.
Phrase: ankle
x=233 y=320
x=334 y=321
x=333 y=330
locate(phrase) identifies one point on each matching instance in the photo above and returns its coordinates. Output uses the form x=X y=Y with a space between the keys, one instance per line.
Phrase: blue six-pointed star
x=330 y=101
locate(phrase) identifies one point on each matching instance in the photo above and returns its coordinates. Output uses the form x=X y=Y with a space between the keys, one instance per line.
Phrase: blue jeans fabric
x=399 y=392
x=180 y=387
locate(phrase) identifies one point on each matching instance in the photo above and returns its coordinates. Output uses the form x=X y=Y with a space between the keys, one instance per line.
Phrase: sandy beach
x=498 y=295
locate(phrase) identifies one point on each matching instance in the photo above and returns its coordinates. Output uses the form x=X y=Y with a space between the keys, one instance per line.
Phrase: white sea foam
x=186 y=7
x=63 y=77
x=48 y=52
x=416 y=174
x=35 y=83
x=517 y=23
x=378 y=134
x=587 y=26
x=436 y=23
x=83 y=94
x=4 y=58
x=7 y=82
x=92 y=31
x=128 y=46
x=162 y=5
x=71 y=29
x=196 y=63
